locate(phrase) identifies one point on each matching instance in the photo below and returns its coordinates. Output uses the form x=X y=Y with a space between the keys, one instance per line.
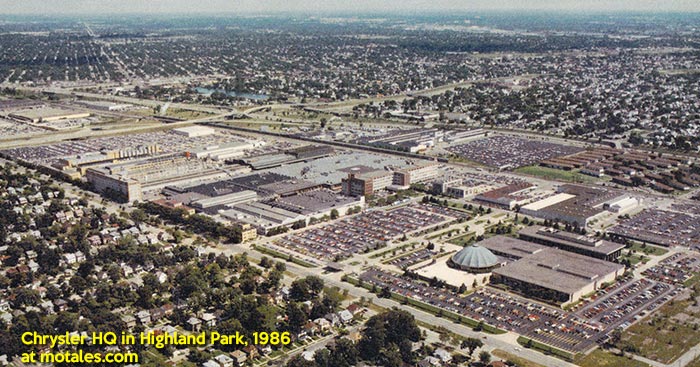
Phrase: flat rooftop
x=554 y=199
x=563 y=271
x=564 y=238
x=47 y=112
x=253 y=182
x=316 y=201
x=288 y=187
x=331 y=170
x=511 y=247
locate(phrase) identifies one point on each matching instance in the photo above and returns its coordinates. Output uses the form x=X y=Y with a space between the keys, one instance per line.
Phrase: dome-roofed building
x=474 y=259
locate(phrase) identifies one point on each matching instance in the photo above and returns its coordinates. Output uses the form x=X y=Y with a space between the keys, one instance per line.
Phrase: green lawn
x=601 y=358
x=546 y=349
x=694 y=363
x=555 y=174
x=519 y=361
x=660 y=337
x=648 y=249
x=279 y=255
x=463 y=239
x=186 y=114
x=634 y=258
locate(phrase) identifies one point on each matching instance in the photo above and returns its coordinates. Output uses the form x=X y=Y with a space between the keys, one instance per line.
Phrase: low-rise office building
x=573 y=242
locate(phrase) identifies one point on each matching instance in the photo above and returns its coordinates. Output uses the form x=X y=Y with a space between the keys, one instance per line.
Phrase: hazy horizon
x=67 y=7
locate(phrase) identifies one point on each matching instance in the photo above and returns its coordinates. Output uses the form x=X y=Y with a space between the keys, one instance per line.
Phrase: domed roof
x=474 y=257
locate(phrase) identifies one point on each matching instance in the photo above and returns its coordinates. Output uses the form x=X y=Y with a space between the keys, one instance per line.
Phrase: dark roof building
x=573 y=242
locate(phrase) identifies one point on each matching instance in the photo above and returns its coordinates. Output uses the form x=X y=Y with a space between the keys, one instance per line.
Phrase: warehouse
x=262 y=216
x=225 y=151
x=577 y=206
x=225 y=200
x=506 y=197
x=194 y=131
x=105 y=106
x=48 y=114
x=532 y=208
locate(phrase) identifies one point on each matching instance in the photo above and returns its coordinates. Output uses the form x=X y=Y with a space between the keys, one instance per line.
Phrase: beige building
x=247 y=232
x=103 y=183
x=48 y=114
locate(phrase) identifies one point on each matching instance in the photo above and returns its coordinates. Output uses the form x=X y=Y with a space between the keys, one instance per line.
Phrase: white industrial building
x=194 y=131
x=226 y=151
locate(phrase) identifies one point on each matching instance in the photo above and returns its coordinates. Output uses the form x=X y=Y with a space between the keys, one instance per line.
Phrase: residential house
x=224 y=360
x=443 y=355
x=129 y=321
x=239 y=357
x=251 y=351
x=144 y=317
x=194 y=323
x=345 y=317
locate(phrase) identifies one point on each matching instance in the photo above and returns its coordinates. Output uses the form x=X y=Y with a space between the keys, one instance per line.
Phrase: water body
x=255 y=97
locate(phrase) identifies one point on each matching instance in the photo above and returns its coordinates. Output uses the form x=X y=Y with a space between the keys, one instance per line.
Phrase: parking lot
x=620 y=305
x=540 y=322
x=9 y=129
x=675 y=269
x=662 y=227
x=365 y=232
x=168 y=142
x=512 y=152
x=571 y=331
x=448 y=212
x=407 y=260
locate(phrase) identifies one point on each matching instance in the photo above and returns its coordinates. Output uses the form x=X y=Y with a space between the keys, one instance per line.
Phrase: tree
x=296 y=317
x=390 y=356
x=386 y=331
x=265 y=262
x=343 y=354
x=299 y=361
x=471 y=344
x=484 y=357
x=385 y=292
x=334 y=214
x=138 y=216
x=323 y=358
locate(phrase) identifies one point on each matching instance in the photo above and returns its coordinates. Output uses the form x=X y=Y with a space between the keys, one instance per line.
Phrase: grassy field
x=648 y=249
x=601 y=358
x=520 y=362
x=694 y=363
x=186 y=114
x=661 y=336
x=633 y=258
x=555 y=174
x=463 y=239
x=695 y=279
x=279 y=255
x=546 y=349
x=397 y=249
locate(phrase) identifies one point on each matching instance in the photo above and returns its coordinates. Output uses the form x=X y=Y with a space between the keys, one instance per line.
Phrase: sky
x=50 y=7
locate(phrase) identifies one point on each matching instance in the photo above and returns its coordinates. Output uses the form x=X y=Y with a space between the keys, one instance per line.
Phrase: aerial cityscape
x=421 y=187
